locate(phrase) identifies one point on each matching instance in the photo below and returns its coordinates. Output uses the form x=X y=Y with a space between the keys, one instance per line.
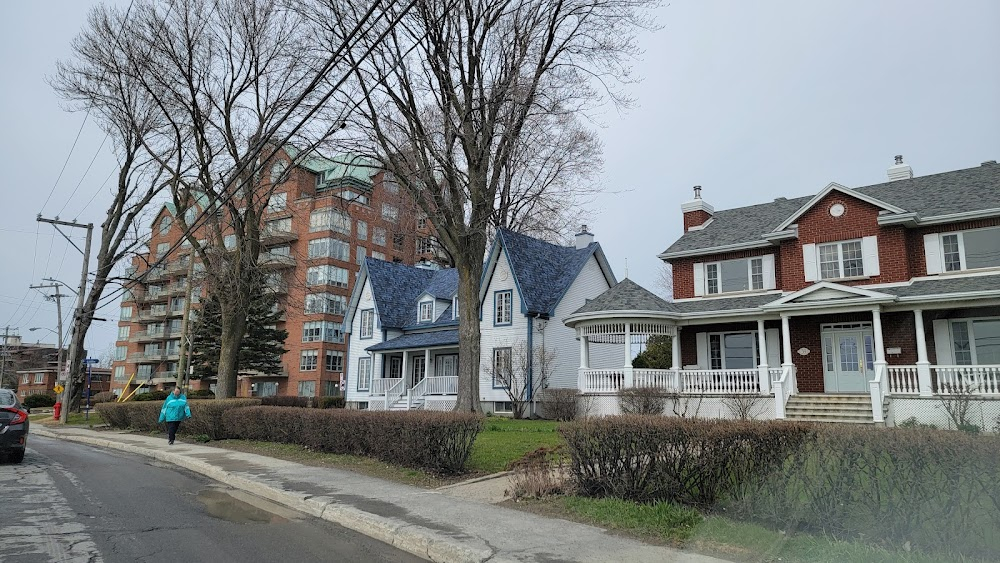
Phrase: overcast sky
x=751 y=100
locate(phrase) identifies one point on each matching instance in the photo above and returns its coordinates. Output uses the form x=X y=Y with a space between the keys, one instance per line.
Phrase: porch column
x=923 y=365
x=878 y=391
x=629 y=380
x=763 y=373
x=675 y=360
x=404 y=374
x=427 y=363
x=879 y=343
x=584 y=351
x=786 y=342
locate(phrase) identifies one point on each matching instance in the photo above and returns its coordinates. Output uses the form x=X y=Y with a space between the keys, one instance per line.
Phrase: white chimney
x=584 y=238
x=899 y=171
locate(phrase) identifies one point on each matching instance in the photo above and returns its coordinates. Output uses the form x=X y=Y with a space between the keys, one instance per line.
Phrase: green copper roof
x=341 y=166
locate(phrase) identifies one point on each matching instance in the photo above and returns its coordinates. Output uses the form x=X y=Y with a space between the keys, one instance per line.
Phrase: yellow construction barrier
x=122 y=396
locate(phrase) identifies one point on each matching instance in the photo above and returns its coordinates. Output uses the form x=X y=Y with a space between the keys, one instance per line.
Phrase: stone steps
x=839 y=408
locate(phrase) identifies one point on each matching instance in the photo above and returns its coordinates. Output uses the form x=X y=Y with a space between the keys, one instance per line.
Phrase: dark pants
x=172 y=427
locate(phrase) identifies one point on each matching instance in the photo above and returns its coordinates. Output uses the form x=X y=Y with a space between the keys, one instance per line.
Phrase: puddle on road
x=224 y=505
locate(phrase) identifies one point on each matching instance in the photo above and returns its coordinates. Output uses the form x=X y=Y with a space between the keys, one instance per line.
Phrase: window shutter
x=809 y=262
x=767 y=264
x=932 y=253
x=942 y=343
x=699 y=279
x=869 y=249
x=773 y=336
x=702 y=339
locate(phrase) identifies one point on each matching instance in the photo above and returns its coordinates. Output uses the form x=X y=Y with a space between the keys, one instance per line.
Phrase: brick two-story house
x=850 y=304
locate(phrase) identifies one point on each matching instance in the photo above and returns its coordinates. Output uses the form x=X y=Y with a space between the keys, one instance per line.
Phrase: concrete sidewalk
x=427 y=523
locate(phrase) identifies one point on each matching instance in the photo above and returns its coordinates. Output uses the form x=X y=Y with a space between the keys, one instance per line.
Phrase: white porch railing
x=784 y=387
x=721 y=382
x=395 y=392
x=659 y=378
x=977 y=380
x=877 y=387
x=903 y=380
x=443 y=385
x=603 y=380
x=382 y=384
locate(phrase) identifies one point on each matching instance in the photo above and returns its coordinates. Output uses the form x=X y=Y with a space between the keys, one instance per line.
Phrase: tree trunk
x=469 y=275
x=234 y=323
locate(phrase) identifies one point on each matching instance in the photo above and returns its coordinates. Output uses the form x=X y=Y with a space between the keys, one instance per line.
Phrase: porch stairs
x=825 y=407
x=400 y=404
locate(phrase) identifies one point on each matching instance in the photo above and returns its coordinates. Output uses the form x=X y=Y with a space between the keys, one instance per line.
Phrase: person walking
x=175 y=409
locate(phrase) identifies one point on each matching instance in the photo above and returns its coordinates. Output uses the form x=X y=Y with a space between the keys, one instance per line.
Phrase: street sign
x=58 y=388
x=91 y=361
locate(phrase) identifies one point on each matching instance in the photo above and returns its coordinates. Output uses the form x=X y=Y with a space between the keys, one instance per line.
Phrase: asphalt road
x=71 y=502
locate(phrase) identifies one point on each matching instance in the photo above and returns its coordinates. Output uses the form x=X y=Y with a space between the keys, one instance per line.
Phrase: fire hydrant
x=56 y=410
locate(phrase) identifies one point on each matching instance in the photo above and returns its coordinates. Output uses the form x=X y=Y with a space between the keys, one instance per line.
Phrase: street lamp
x=59 y=355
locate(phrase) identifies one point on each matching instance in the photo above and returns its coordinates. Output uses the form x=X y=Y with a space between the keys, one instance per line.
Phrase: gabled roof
x=826 y=293
x=444 y=284
x=833 y=186
x=969 y=191
x=396 y=288
x=626 y=296
x=542 y=271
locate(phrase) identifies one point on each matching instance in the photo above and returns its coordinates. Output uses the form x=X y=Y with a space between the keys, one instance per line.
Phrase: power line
x=71 y=149
x=84 y=177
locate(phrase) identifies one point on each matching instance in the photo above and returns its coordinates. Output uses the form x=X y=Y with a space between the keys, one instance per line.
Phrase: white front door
x=847 y=361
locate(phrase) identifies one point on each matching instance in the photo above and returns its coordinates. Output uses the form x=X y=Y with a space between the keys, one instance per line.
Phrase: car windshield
x=7 y=399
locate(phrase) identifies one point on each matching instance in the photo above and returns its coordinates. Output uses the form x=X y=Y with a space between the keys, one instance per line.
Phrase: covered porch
x=416 y=370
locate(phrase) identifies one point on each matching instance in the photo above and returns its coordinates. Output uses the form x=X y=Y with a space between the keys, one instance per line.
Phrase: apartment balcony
x=148 y=357
x=154 y=274
x=177 y=267
x=270 y=261
x=164 y=377
x=153 y=335
x=175 y=289
x=272 y=236
x=147 y=296
x=279 y=288
x=175 y=312
x=257 y=374
x=153 y=313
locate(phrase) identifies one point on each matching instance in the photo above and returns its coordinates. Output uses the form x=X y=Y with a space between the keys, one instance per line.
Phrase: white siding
x=356 y=346
x=499 y=336
x=562 y=340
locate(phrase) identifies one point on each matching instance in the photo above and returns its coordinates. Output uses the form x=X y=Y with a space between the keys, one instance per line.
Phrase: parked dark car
x=13 y=427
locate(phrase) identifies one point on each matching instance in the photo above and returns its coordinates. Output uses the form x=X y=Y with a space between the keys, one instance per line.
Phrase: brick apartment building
x=43 y=380
x=324 y=218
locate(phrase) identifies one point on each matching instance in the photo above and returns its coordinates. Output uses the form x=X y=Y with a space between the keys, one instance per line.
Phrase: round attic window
x=837 y=209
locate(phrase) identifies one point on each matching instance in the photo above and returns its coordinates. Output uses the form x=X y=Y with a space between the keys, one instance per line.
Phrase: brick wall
x=695 y=218
x=683 y=268
x=915 y=240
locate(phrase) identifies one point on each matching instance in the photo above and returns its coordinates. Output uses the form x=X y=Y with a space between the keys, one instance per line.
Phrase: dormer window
x=425 y=311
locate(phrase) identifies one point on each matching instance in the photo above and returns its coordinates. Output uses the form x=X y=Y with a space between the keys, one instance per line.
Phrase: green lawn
x=73 y=419
x=504 y=441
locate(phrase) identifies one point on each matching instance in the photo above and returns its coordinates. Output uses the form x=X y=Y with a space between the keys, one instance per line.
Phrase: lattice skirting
x=438 y=404
x=984 y=413
x=762 y=408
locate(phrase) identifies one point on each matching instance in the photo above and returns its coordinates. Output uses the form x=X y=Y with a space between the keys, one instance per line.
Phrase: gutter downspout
x=531 y=366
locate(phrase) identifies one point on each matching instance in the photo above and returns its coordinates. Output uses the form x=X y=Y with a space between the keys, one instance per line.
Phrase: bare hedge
x=561 y=404
x=206 y=415
x=435 y=441
x=642 y=400
x=655 y=458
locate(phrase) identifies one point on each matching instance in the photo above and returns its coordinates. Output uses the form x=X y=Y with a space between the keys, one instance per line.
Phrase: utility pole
x=57 y=297
x=183 y=363
x=3 y=358
x=79 y=313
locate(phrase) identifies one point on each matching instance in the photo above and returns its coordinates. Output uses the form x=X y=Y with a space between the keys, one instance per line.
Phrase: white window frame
x=126 y=313
x=277 y=202
x=454 y=307
x=39 y=378
x=960 y=235
x=425 y=311
x=390 y=213
x=970 y=326
x=503 y=307
x=367 y=324
x=364 y=373
x=750 y=281
x=304 y=356
x=395 y=368
x=124 y=332
x=333 y=354
x=722 y=347
x=310 y=383
x=508 y=407
x=165 y=225
x=839 y=245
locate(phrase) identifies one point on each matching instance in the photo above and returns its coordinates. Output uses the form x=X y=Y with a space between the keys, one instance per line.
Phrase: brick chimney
x=584 y=238
x=696 y=211
x=899 y=171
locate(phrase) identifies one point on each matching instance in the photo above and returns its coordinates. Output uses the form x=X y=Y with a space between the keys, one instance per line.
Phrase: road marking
x=39 y=520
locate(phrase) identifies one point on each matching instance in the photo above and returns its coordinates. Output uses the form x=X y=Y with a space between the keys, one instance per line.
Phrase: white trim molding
x=833 y=186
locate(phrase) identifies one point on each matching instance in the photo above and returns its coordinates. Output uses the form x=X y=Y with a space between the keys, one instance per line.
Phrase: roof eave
x=714 y=250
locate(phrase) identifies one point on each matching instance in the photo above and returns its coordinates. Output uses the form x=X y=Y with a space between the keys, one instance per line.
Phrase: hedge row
x=206 y=416
x=929 y=489
x=435 y=441
x=330 y=402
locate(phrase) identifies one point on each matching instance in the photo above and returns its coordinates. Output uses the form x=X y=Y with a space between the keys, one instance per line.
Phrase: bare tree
x=229 y=82
x=459 y=94
x=664 y=282
x=522 y=372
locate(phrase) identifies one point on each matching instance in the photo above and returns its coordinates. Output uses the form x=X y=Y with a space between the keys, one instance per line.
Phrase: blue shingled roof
x=396 y=288
x=418 y=340
x=444 y=284
x=444 y=319
x=543 y=271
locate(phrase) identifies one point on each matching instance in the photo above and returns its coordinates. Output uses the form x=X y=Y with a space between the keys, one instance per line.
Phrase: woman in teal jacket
x=175 y=409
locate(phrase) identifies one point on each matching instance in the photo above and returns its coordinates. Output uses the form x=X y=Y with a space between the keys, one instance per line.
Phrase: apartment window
x=120 y=353
x=378 y=255
x=422 y=221
x=126 y=313
x=39 y=378
x=841 y=260
x=123 y=332
x=280 y=251
x=177 y=304
x=390 y=213
x=742 y=274
x=329 y=218
x=325 y=303
x=364 y=373
x=424 y=245
x=24 y=379
x=327 y=275
x=308 y=360
x=367 y=323
x=976 y=342
x=119 y=373
x=331 y=388
x=378 y=236
x=425 y=311
x=326 y=331
x=334 y=361
x=502 y=307
x=277 y=202
x=190 y=215
x=278 y=226
x=229 y=241
x=307 y=388
x=969 y=250
x=362 y=230
x=502 y=366
x=267 y=388
x=162 y=249
x=145 y=372
x=329 y=248
x=361 y=253
x=503 y=407
x=398 y=240
x=165 y=225
x=389 y=181
x=733 y=350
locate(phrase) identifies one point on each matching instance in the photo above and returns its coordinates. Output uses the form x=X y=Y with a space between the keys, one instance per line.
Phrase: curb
x=423 y=542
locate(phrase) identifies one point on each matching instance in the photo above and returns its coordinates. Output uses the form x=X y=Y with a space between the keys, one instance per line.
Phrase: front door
x=847 y=361
x=418 y=371
x=446 y=366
